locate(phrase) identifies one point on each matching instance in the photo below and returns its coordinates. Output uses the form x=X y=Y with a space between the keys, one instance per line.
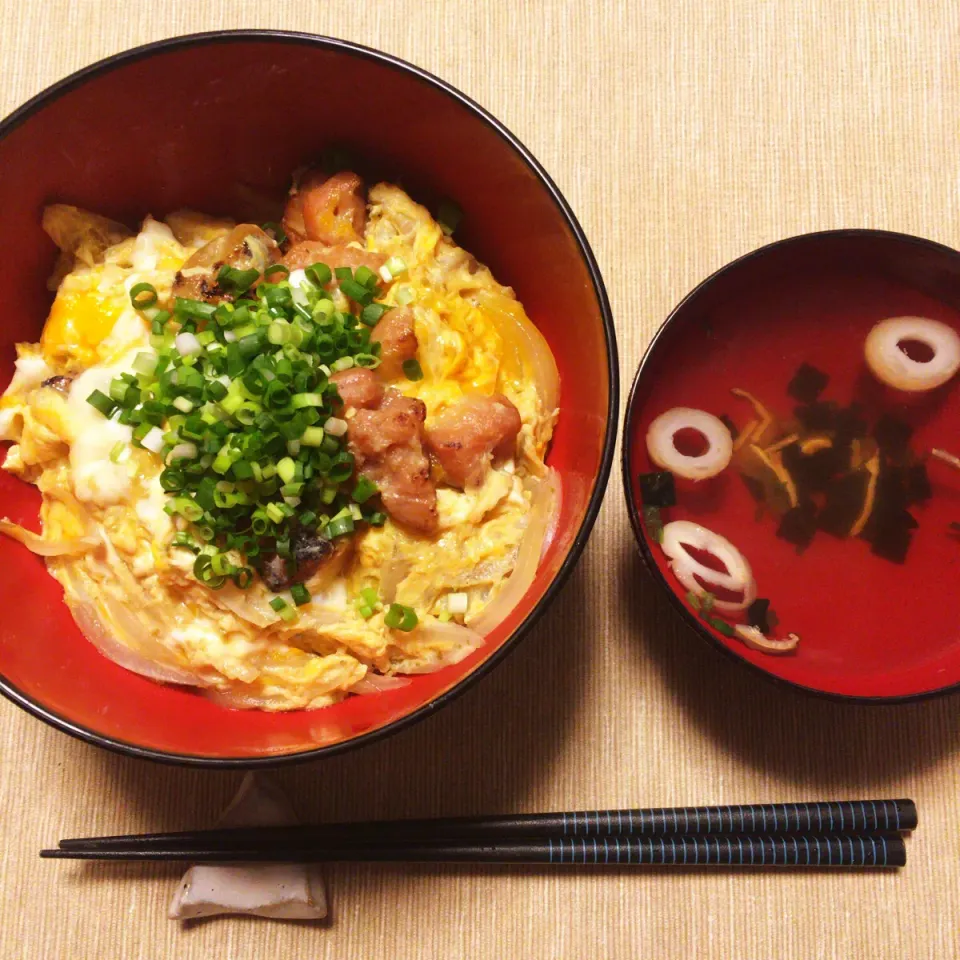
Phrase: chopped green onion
x=365 y=276
x=283 y=608
x=116 y=454
x=721 y=626
x=301 y=400
x=412 y=369
x=313 y=437
x=405 y=295
x=238 y=281
x=449 y=216
x=653 y=523
x=101 y=402
x=399 y=617
x=339 y=527
x=194 y=308
x=300 y=594
x=118 y=390
x=186 y=508
x=279 y=332
x=323 y=310
x=145 y=363
x=276 y=271
x=341 y=468
x=183 y=539
x=172 y=480
x=275 y=512
x=364 y=490
x=392 y=269
x=286 y=469
x=355 y=291
x=215 y=390
x=204 y=572
x=372 y=312
x=318 y=273
x=143 y=295
x=279 y=234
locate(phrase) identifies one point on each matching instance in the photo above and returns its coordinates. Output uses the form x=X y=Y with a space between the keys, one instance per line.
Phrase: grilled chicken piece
x=310 y=551
x=358 y=388
x=60 y=384
x=398 y=341
x=387 y=444
x=332 y=210
x=245 y=247
x=308 y=252
x=465 y=438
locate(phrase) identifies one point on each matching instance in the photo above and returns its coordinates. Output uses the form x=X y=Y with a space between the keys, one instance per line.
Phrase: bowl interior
x=218 y=125
x=868 y=626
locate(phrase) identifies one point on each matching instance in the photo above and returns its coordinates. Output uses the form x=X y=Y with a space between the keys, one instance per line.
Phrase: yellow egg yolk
x=77 y=325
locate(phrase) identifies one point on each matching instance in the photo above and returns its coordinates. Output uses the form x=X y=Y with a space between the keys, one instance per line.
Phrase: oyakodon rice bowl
x=290 y=462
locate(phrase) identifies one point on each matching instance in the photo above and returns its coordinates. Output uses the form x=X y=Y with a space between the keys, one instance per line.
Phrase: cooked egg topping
x=389 y=597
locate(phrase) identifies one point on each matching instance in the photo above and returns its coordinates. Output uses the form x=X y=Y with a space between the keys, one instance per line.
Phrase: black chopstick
x=846 y=816
x=787 y=850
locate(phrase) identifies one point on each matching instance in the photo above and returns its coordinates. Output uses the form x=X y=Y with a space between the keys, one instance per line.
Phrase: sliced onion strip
x=378 y=683
x=36 y=543
x=523 y=342
x=464 y=639
x=393 y=571
x=103 y=624
x=253 y=605
x=542 y=510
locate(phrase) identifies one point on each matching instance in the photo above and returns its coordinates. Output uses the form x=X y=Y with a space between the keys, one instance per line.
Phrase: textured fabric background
x=684 y=133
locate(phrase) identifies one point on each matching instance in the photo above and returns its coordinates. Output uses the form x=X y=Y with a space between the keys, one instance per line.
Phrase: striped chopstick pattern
x=787 y=850
x=834 y=817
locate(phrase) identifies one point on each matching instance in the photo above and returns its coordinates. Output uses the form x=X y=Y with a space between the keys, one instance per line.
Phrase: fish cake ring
x=662 y=443
x=934 y=345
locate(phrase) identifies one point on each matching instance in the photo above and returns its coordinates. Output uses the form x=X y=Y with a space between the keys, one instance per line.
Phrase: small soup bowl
x=215 y=122
x=867 y=592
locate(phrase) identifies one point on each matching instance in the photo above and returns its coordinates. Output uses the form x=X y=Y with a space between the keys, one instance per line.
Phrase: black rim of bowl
x=636 y=521
x=51 y=93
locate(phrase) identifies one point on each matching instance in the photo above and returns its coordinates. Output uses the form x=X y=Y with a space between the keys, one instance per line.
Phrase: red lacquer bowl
x=870 y=629
x=213 y=122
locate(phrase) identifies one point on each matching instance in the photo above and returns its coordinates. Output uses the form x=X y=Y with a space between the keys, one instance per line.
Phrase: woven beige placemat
x=684 y=133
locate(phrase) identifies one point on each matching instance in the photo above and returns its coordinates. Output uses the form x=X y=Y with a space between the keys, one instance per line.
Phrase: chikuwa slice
x=688 y=545
x=690 y=443
x=913 y=354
